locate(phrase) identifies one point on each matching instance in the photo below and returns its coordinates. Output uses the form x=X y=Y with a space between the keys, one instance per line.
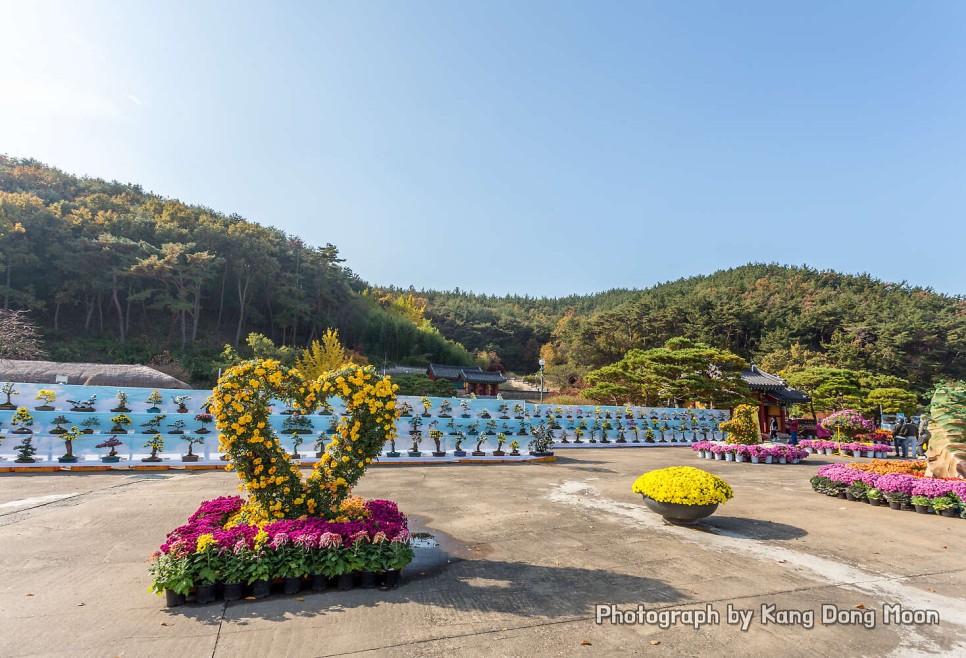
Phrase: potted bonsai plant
x=515 y=448
x=89 y=424
x=48 y=397
x=153 y=424
x=69 y=437
x=191 y=440
x=182 y=402
x=427 y=405
x=479 y=452
x=504 y=409
x=563 y=437
x=297 y=440
x=177 y=427
x=416 y=436
x=445 y=409
x=112 y=457
x=437 y=437
x=205 y=419
x=154 y=399
x=121 y=407
x=472 y=428
x=84 y=406
x=500 y=440
x=296 y=423
x=392 y=447
x=156 y=443
x=58 y=421
x=485 y=414
x=542 y=443
x=518 y=411
x=605 y=427
x=490 y=427
x=578 y=434
x=464 y=409
x=26 y=451
x=23 y=421
x=405 y=409
x=8 y=390
x=119 y=422
x=458 y=446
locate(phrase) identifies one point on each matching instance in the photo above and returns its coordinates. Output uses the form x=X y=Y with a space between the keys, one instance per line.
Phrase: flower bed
x=856 y=448
x=900 y=484
x=756 y=454
x=220 y=547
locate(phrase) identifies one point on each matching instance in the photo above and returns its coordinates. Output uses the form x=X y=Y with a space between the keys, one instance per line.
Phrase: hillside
x=113 y=273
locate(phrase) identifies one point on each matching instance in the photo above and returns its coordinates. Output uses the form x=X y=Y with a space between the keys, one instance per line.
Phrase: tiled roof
x=473 y=375
x=773 y=385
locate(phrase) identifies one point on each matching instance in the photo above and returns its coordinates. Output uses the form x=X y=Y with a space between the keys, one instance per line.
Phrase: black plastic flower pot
x=173 y=599
x=924 y=509
x=261 y=588
x=233 y=591
x=391 y=578
x=875 y=502
x=951 y=512
x=894 y=504
x=344 y=581
x=206 y=593
x=439 y=454
x=367 y=579
x=292 y=584
x=319 y=582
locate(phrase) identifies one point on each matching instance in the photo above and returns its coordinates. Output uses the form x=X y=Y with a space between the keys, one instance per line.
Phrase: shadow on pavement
x=739 y=528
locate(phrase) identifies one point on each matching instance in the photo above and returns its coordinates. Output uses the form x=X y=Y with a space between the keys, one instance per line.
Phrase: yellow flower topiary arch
x=241 y=407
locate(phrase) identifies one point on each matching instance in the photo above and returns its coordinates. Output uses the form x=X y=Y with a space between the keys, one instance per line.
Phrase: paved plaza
x=526 y=552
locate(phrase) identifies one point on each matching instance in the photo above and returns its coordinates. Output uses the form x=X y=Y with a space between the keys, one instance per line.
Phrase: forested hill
x=111 y=272
x=783 y=317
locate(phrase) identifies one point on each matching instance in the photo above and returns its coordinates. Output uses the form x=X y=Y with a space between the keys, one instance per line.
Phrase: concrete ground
x=530 y=549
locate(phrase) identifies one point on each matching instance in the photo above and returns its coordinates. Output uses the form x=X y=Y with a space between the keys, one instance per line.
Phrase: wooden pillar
x=762 y=414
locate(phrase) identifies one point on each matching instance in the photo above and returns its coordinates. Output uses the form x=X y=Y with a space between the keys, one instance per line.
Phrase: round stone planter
x=680 y=514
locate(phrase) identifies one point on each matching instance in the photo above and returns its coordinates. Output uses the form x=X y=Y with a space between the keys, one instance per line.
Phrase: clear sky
x=541 y=148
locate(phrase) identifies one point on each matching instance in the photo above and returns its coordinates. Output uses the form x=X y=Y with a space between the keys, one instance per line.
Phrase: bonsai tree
x=578 y=434
x=297 y=424
x=458 y=447
x=156 y=443
x=500 y=440
x=8 y=390
x=490 y=427
x=664 y=428
x=542 y=441
x=111 y=443
x=514 y=447
x=297 y=440
x=563 y=437
x=518 y=411
x=464 y=409
x=47 y=396
x=392 y=447
x=437 y=437
x=503 y=409
x=620 y=435
x=416 y=437
x=69 y=437
x=153 y=424
x=191 y=440
x=178 y=427
x=120 y=421
x=154 y=399
x=445 y=409
x=594 y=429
x=182 y=402
x=121 y=403
x=427 y=405
x=204 y=419
x=648 y=435
x=524 y=428
x=22 y=420
x=89 y=424
x=479 y=444
x=58 y=421
x=26 y=451
x=473 y=431
x=83 y=406
x=405 y=409
x=637 y=434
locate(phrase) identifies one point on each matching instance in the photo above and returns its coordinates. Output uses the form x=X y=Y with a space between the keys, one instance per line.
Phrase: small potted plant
x=682 y=494
x=437 y=438
x=156 y=443
x=563 y=437
x=69 y=437
x=479 y=452
x=177 y=427
x=58 y=421
x=405 y=409
x=392 y=447
x=458 y=446
x=154 y=399
x=504 y=410
x=416 y=437
x=524 y=428
x=472 y=428
x=204 y=419
x=89 y=424
x=48 y=397
x=515 y=448
x=296 y=423
x=297 y=440
x=112 y=457
x=121 y=407
x=542 y=443
x=182 y=402
x=594 y=428
x=119 y=422
x=605 y=427
x=427 y=405
x=464 y=409
x=84 y=406
x=518 y=411
x=26 y=451
x=445 y=409
x=485 y=414
x=23 y=421
x=8 y=390
x=578 y=435
x=500 y=440
x=191 y=440
x=490 y=427
x=153 y=425
x=637 y=434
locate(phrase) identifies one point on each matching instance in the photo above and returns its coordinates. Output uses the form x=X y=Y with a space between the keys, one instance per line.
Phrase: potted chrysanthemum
x=682 y=494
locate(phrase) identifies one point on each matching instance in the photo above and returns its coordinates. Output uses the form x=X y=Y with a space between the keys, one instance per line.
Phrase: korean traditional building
x=774 y=397
x=471 y=381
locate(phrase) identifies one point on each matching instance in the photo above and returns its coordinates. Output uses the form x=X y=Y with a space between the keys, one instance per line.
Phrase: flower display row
x=901 y=490
x=756 y=454
x=219 y=549
x=857 y=449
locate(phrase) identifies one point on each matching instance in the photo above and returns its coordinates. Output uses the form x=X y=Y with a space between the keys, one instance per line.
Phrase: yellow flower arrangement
x=743 y=426
x=683 y=485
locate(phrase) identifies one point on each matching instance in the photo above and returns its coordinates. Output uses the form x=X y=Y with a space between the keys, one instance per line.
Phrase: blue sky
x=540 y=148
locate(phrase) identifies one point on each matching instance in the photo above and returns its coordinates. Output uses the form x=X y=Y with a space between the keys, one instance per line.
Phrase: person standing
x=910 y=434
x=773 y=426
x=793 y=431
x=897 y=440
x=924 y=435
